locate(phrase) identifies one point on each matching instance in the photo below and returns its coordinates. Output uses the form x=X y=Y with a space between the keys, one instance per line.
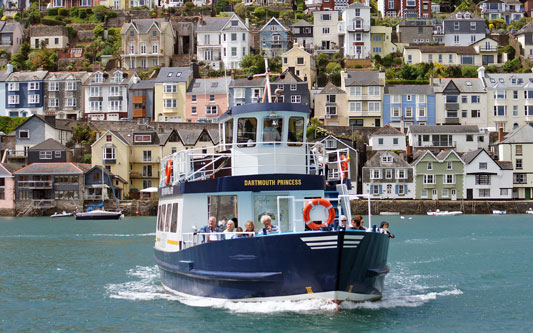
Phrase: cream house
x=170 y=89
x=364 y=91
x=331 y=106
x=381 y=41
x=302 y=62
x=54 y=37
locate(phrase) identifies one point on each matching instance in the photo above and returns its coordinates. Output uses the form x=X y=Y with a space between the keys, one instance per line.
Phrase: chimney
x=500 y=133
x=9 y=68
x=127 y=18
x=431 y=80
x=201 y=20
x=247 y=22
x=50 y=119
x=481 y=76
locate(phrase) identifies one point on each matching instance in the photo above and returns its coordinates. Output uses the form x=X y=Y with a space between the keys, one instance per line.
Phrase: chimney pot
x=500 y=133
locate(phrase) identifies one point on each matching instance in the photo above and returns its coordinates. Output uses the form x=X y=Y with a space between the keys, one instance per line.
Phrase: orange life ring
x=168 y=172
x=316 y=202
x=344 y=166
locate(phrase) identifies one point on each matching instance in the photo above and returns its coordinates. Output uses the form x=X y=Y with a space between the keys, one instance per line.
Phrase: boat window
x=168 y=217
x=272 y=129
x=174 y=221
x=296 y=131
x=222 y=206
x=163 y=217
x=247 y=132
x=159 y=217
x=228 y=129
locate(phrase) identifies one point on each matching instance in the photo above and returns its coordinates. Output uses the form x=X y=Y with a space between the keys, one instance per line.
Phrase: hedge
x=49 y=21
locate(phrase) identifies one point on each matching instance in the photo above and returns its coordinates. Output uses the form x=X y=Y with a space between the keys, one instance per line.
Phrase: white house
x=461 y=138
x=222 y=41
x=387 y=138
x=388 y=176
x=355 y=26
x=325 y=31
x=486 y=178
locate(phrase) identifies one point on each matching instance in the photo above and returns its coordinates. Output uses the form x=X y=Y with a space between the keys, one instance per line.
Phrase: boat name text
x=272 y=182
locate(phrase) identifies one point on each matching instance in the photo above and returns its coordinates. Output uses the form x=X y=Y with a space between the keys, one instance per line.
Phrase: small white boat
x=500 y=212
x=529 y=211
x=444 y=213
x=64 y=214
x=390 y=213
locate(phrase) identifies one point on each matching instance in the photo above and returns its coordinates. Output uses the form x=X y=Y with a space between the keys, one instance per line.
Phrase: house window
x=33 y=86
x=300 y=61
x=484 y=192
x=71 y=85
x=109 y=138
x=296 y=99
x=325 y=31
x=445 y=193
x=45 y=155
x=374 y=91
x=142 y=138
x=388 y=173
x=482 y=179
x=387 y=159
x=408 y=112
x=475 y=99
x=172 y=89
x=518 y=150
x=147 y=155
x=293 y=87
x=96 y=106
x=375 y=174
x=374 y=106
x=449 y=179
x=396 y=112
x=115 y=105
x=430 y=166
x=500 y=110
x=57 y=154
x=53 y=102
x=193 y=110
x=331 y=110
x=170 y=103
x=33 y=99
x=114 y=91
x=109 y=153
x=147 y=172
x=355 y=91
x=429 y=179
x=476 y=113
x=211 y=98
x=518 y=164
x=424 y=193
x=401 y=174
x=421 y=112
x=13 y=86
x=24 y=134
x=482 y=165
x=449 y=166
x=53 y=86
x=455 y=25
x=155 y=48
x=380 y=141
x=395 y=141
x=211 y=109
x=95 y=91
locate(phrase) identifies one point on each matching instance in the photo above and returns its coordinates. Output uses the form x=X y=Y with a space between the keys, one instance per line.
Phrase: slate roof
x=467 y=50
x=290 y=77
x=54 y=169
x=49 y=144
x=10 y=26
x=108 y=77
x=330 y=88
x=505 y=165
x=143 y=84
x=453 y=16
x=142 y=25
x=301 y=23
x=3 y=74
x=505 y=80
x=387 y=130
x=465 y=85
x=397 y=161
x=525 y=29
x=443 y=129
x=363 y=78
x=98 y=167
x=212 y=24
x=64 y=76
x=276 y=22
x=409 y=89
x=27 y=76
x=209 y=86
x=244 y=82
x=60 y=124
x=522 y=134
x=173 y=75
x=357 y=5
x=11 y=167
x=48 y=30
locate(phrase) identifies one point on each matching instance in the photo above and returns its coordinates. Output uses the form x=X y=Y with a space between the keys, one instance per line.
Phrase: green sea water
x=469 y=273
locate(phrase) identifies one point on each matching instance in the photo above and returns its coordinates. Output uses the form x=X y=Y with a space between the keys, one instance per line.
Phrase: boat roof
x=265 y=107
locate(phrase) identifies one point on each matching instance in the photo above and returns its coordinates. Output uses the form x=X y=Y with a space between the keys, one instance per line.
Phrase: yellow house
x=170 y=89
x=302 y=62
x=145 y=158
x=331 y=106
x=195 y=137
x=364 y=94
x=380 y=39
x=111 y=150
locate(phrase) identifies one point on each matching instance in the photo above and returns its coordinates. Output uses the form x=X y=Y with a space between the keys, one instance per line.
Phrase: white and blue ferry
x=263 y=165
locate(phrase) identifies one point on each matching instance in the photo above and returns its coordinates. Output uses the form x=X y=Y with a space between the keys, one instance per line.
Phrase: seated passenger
x=342 y=223
x=250 y=229
x=355 y=223
x=238 y=234
x=268 y=227
x=384 y=229
x=210 y=228
x=361 y=223
x=230 y=230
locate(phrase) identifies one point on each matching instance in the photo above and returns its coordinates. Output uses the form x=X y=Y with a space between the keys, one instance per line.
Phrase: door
x=435 y=194
x=469 y=194
x=454 y=194
x=528 y=193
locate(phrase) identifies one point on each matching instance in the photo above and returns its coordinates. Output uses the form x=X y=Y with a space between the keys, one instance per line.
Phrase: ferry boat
x=264 y=165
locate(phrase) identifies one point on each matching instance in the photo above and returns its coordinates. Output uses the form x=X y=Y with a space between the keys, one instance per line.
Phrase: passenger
x=211 y=228
x=355 y=223
x=222 y=223
x=230 y=230
x=361 y=225
x=238 y=234
x=384 y=229
x=235 y=222
x=271 y=132
x=250 y=229
x=343 y=220
x=321 y=158
x=268 y=227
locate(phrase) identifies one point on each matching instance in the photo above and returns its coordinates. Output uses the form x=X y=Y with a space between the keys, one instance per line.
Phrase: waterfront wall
x=128 y=207
x=421 y=207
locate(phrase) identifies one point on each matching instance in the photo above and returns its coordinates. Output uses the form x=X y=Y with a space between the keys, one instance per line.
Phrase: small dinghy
x=64 y=214
x=499 y=212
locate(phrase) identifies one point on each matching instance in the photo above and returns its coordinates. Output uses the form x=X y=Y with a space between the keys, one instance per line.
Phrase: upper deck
x=255 y=139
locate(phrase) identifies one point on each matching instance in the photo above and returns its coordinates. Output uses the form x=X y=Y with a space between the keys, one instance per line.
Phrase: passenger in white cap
x=342 y=222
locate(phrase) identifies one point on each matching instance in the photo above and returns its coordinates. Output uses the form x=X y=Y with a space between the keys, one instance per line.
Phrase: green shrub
x=512 y=65
x=52 y=11
x=73 y=11
x=49 y=21
x=62 y=12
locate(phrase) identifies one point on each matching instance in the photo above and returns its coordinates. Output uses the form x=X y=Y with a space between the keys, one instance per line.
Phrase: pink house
x=7 y=188
x=206 y=99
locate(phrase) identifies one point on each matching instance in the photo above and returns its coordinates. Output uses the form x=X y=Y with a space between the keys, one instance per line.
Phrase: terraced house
x=331 y=106
x=439 y=177
x=147 y=43
x=63 y=94
x=364 y=91
x=406 y=105
x=170 y=88
x=24 y=93
x=274 y=38
x=388 y=176
x=207 y=99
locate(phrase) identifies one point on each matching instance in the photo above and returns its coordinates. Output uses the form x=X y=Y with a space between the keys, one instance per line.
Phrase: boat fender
x=318 y=202
x=168 y=172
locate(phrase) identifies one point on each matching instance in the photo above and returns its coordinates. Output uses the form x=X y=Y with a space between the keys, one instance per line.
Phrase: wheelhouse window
x=296 y=131
x=272 y=129
x=247 y=132
x=228 y=131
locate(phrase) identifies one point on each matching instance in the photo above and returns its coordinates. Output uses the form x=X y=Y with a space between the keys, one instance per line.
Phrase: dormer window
x=467 y=15
x=386 y=159
x=118 y=76
x=98 y=77
x=154 y=33
x=169 y=74
x=142 y=138
x=132 y=33
x=459 y=15
x=234 y=23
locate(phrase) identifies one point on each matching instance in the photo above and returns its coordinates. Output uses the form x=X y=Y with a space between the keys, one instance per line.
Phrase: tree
x=322 y=60
x=45 y=58
x=260 y=12
x=468 y=71
x=510 y=52
x=512 y=65
x=92 y=50
x=240 y=10
x=98 y=31
x=275 y=64
x=253 y=64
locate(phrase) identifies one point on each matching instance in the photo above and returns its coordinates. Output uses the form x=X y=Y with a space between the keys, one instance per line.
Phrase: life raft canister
x=344 y=166
x=318 y=202
x=168 y=172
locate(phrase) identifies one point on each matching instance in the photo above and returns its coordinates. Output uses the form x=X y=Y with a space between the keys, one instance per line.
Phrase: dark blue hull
x=345 y=265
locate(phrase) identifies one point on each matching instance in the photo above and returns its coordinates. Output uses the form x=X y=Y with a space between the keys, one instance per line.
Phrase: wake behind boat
x=444 y=213
x=263 y=166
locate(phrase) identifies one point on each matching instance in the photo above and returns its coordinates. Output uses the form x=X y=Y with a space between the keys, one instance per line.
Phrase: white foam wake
x=124 y=235
x=401 y=291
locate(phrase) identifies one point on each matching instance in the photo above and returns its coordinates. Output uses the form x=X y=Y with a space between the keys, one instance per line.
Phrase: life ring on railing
x=344 y=166
x=168 y=172
x=309 y=207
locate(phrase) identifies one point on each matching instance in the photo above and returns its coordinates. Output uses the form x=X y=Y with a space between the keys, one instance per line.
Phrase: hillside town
x=434 y=100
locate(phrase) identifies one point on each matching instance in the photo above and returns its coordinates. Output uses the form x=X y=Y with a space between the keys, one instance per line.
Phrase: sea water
x=462 y=273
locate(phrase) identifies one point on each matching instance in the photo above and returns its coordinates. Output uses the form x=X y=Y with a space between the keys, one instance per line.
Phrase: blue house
x=274 y=39
x=24 y=93
x=94 y=184
x=244 y=91
x=3 y=76
x=412 y=104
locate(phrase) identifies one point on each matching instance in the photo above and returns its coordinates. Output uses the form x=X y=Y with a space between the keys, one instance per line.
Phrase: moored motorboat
x=444 y=213
x=498 y=212
x=99 y=214
x=262 y=167
x=389 y=213
x=529 y=211
x=63 y=214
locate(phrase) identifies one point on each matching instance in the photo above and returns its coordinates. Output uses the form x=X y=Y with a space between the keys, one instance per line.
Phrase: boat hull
x=337 y=266
x=98 y=216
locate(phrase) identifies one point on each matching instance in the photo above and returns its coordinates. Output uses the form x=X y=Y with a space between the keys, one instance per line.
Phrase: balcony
x=138 y=113
x=331 y=116
x=358 y=28
x=35 y=184
x=17 y=154
x=140 y=175
x=44 y=203
x=451 y=106
x=452 y=120
x=488 y=49
x=110 y=161
x=365 y=113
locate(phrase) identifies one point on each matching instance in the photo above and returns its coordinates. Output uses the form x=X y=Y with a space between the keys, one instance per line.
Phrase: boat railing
x=210 y=162
x=194 y=238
